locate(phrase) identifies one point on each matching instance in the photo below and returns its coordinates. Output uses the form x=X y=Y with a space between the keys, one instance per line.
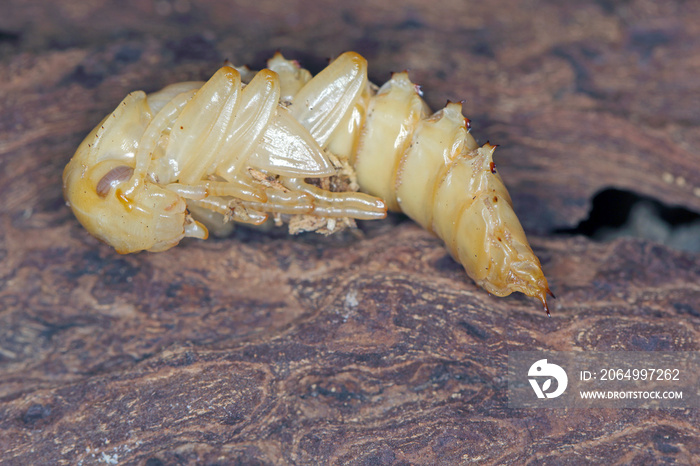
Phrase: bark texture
x=269 y=349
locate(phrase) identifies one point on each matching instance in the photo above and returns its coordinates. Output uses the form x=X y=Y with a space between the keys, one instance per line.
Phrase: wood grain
x=268 y=349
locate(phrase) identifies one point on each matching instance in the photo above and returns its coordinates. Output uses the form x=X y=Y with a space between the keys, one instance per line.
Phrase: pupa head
x=99 y=185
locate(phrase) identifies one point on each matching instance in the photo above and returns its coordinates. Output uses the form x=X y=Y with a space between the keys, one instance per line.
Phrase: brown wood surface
x=269 y=349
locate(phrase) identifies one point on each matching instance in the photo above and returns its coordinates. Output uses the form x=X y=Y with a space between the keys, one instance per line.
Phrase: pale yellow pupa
x=242 y=146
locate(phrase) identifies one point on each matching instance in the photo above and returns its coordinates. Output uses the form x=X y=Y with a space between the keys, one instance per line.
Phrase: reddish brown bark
x=269 y=349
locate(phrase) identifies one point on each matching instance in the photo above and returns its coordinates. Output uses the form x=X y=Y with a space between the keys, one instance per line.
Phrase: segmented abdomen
x=432 y=169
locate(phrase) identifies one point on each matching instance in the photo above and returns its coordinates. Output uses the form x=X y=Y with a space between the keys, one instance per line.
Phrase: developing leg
x=342 y=204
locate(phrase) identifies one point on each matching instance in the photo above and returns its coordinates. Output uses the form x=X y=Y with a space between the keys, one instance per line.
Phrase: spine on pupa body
x=430 y=168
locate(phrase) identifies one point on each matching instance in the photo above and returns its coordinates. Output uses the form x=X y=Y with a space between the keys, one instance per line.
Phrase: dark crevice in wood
x=616 y=213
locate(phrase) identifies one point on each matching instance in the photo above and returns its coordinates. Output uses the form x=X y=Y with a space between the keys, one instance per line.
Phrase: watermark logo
x=584 y=379
x=542 y=369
